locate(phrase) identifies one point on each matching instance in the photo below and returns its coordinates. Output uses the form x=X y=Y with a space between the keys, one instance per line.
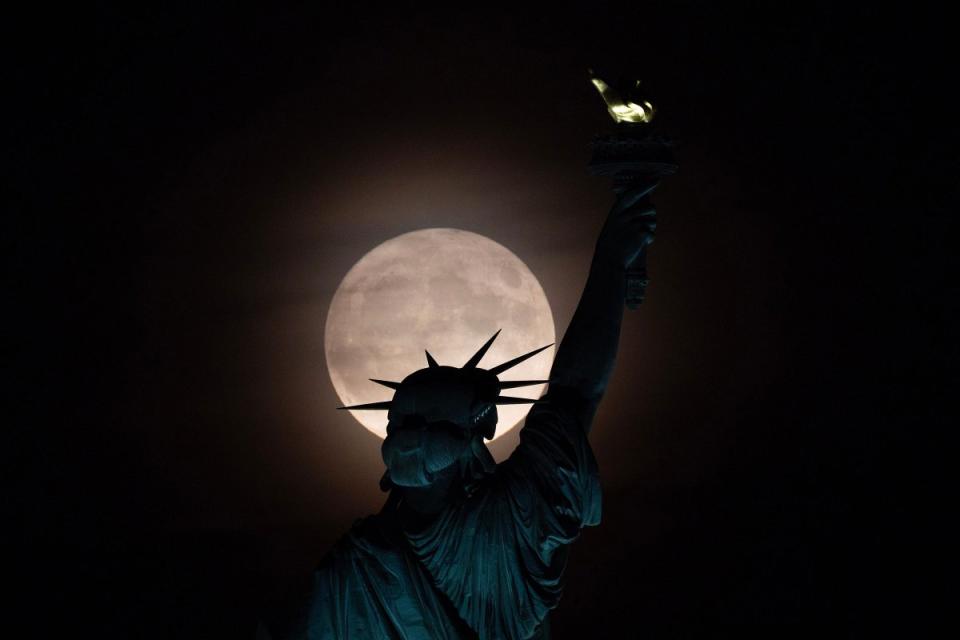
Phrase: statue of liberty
x=464 y=547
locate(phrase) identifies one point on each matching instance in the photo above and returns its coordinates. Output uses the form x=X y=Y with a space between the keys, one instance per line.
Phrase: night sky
x=188 y=189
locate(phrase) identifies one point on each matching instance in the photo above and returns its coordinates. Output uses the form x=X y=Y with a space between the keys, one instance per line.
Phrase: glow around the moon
x=442 y=290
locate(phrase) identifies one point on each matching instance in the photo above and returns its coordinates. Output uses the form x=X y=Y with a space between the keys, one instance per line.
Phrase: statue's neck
x=432 y=499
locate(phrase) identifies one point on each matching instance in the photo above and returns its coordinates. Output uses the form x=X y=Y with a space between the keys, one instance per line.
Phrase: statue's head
x=440 y=416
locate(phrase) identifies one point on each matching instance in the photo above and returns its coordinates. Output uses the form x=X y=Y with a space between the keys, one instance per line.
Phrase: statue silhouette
x=465 y=547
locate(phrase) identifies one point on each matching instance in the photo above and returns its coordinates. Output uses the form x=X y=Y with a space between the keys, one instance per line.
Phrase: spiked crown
x=465 y=395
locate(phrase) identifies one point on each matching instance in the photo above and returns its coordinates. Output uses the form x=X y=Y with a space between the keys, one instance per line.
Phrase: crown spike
x=513 y=384
x=500 y=368
x=475 y=358
x=371 y=405
x=430 y=360
x=386 y=383
x=510 y=400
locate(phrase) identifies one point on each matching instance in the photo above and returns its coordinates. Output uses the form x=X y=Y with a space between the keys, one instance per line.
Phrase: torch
x=634 y=154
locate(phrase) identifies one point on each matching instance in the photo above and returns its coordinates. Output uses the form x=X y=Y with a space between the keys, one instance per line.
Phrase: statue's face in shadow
x=416 y=451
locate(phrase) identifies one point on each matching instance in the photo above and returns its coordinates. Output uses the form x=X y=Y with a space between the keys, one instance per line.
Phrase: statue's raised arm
x=585 y=359
x=524 y=519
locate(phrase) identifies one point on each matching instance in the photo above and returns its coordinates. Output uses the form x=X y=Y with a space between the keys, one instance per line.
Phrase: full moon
x=440 y=290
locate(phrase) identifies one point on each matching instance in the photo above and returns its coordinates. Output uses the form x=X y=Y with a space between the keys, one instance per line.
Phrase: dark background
x=188 y=187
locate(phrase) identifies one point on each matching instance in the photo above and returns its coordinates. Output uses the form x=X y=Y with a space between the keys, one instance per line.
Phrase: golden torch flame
x=624 y=110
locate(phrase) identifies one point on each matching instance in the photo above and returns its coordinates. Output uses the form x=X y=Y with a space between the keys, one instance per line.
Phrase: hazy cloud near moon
x=443 y=290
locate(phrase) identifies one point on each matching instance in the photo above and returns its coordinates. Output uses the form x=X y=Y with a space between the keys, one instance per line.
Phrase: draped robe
x=489 y=566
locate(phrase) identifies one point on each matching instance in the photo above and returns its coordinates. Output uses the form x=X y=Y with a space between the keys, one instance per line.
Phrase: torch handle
x=637 y=281
x=636 y=274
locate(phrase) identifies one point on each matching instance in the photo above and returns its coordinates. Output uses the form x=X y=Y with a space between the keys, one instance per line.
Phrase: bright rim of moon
x=441 y=290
